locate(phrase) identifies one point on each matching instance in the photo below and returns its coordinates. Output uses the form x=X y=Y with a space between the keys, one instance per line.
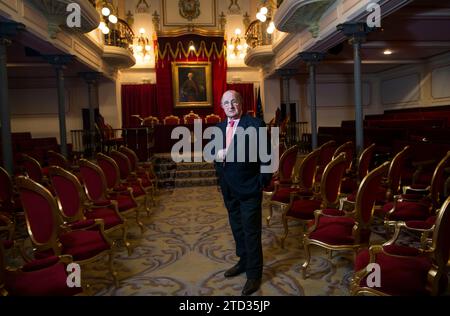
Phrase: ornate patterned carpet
x=187 y=245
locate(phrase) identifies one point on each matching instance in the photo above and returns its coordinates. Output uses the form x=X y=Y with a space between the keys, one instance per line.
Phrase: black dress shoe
x=234 y=270
x=251 y=286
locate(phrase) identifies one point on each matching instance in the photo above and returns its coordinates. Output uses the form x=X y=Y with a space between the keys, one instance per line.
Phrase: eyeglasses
x=229 y=103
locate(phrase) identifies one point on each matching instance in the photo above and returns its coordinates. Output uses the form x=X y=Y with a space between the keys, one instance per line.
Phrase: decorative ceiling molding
x=189 y=30
x=294 y=16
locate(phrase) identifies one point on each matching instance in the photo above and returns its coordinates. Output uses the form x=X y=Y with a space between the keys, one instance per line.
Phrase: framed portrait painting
x=191 y=84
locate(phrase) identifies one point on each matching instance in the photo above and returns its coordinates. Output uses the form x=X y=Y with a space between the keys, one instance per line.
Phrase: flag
x=259 y=110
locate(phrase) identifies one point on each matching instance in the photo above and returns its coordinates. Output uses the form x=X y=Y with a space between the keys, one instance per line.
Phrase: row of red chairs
x=313 y=197
x=74 y=215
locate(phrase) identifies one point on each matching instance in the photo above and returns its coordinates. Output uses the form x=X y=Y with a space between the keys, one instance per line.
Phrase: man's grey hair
x=237 y=95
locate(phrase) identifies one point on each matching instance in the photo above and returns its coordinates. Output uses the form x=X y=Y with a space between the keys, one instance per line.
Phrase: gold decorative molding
x=190 y=30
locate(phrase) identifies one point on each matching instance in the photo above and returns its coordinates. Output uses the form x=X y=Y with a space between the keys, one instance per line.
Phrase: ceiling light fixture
x=387 y=52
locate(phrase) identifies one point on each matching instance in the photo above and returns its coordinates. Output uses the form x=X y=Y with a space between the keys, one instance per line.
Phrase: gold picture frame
x=191 y=84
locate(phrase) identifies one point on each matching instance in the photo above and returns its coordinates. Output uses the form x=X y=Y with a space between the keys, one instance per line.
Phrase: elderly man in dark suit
x=241 y=182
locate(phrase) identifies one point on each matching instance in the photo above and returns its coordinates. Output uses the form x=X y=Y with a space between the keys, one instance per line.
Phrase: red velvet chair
x=406 y=270
x=114 y=183
x=352 y=179
x=326 y=155
x=77 y=211
x=143 y=170
x=32 y=168
x=348 y=149
x=212 y=118
x=94 y=181
x=127 y=177
x=57 y=159
x=171 y=120
x=10 y=206
x=415 y=207
x=191 y=117
x=49 y=235
x=302 y=208
x=45 y=277
x=303 y=176
x=333 y=230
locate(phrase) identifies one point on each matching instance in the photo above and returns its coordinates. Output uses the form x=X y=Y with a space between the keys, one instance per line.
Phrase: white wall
x=109 y=94
x=39 y=115
x=420 y=85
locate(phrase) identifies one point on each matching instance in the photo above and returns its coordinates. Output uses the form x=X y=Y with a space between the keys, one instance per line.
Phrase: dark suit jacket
x=244 y=179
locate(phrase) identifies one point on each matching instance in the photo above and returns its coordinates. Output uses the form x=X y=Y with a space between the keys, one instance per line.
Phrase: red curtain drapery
x=176 y=49
x=138 y=99
x=248 y=95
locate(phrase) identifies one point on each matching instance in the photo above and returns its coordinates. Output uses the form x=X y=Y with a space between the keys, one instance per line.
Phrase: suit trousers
x=245 y=217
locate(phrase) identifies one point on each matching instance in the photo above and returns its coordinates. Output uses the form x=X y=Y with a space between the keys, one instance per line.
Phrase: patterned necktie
x=229 y=133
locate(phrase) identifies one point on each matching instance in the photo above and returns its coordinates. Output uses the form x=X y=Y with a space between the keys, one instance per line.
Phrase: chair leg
x=138 y=221
x=147 y=207
x=270 y=215
x=125 y=240
x=111 y=269
x=307 y=257
x=286 y=230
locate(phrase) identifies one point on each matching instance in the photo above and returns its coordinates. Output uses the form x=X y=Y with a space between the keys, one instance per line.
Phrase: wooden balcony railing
x=256 y=34
x=120 y=35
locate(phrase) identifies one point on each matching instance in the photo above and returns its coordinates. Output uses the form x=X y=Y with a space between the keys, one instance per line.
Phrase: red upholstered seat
x=73 y=201
x=346 y=232
x=426 y=224
x=95 y=182
x=407 y=270
x=303 y=209
x=405 y=275
x=407 y=211
x=46 y=277
x=50 y=236
x=283 y=195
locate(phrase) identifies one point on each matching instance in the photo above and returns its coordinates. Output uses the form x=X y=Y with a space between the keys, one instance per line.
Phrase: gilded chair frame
x=394 y=177
x=191 y=115
x=153 y=120
x=360 y=222
x=348 y=149
x=53 y=243
x=9 y=222
x=147 y=169
x=325 y=203
x=438 y=254
x=37 y=164
x=212 y=116
x=320 y=163
x=148 y=191
x=143 y=198
x=281 y=177
x=60 y=157
x=85 y=205
x=171 y=117
x=105 y=194
x=434 y=189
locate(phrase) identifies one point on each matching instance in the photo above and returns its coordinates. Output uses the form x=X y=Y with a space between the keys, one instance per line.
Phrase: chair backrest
x=441 y=248
x=132 y=157
x=287 y=163
x=150 y=121
x=6 y=190
x=330 y=184
x=438 y=181
x=41 y=214
x=348 y=149
x=364 y=161
x=307 y=170
x=110 y=169
x=395 y=172
x=190 y=117
x=122 y=162
x=212 y=118
x=57 y=159
x=32 y=167
x=366 y=197
x=69 y=193
x=326 y=153
x=93 y=179
x=171 y=120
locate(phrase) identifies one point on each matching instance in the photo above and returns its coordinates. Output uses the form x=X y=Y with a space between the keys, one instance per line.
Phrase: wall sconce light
x=264 y=15
x=107 y=10
x=142 y=48
x=238 y=46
